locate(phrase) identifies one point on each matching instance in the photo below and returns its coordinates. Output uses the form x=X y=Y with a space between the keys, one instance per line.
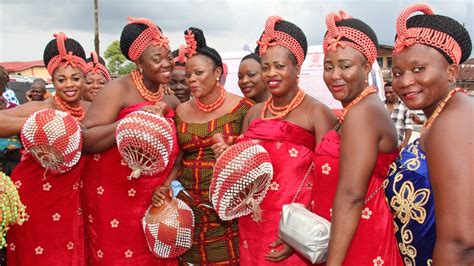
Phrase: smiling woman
x=348 y=189
x=432 y=176
x=59 y=207
x=212 y=110
x=274 y=124
x=114 y=204
x=97 y=75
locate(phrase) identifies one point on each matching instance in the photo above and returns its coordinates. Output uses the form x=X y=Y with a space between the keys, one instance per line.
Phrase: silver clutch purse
x=305 y=231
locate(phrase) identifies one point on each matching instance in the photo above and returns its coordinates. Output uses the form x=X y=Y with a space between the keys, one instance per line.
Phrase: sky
x=26 y=26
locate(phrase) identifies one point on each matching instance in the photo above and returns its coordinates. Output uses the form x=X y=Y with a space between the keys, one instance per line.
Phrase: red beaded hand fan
x=169 y=228
x=54 y=140
x=145 y=142
x=241 y=178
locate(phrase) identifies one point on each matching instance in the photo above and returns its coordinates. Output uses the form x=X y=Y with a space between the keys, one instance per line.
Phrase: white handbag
x=303 y=230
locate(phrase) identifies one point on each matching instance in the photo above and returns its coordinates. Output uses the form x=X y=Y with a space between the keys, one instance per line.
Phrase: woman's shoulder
x=455 y=121
x=85 y=105
x=120 y=84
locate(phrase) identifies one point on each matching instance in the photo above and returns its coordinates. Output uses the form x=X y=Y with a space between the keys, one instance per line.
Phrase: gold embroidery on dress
x=408 y=205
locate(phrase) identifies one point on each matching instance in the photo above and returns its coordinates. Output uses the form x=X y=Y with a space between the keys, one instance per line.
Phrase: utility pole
x=96 y=26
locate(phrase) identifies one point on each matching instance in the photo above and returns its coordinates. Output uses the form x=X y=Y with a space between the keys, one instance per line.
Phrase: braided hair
x=137 y=35
x=360 y=26
x=51 y=50
x=345 y=30
x=446 y=25
x=129 y=34
x=295 y=32
x=203 y=49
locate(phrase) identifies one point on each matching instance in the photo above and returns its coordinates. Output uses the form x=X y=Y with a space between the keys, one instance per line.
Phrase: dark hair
x=71 y=45
x=129 y=34
x=91 y=59
x=448 y=26
x=388 y=84
x=295 y=32
x=4 y=78
x=253 y=56
x=205 y=50
x=175 y=54
x=39 y=80
x=360 y=26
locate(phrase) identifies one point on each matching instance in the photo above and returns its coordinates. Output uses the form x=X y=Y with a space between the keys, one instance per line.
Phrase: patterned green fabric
x=215 y=241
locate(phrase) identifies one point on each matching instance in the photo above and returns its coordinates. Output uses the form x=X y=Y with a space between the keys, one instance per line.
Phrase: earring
x=217 y=78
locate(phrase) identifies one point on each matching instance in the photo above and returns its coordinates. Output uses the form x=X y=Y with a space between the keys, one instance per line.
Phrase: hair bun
x=199 y=37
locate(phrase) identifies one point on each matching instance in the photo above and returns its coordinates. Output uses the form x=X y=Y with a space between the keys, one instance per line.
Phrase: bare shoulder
x=454 y=124
x=85 y=105
x=318 y=108
x=171 y=100
x=255 y=111
x=184 y=108
x=233 y=99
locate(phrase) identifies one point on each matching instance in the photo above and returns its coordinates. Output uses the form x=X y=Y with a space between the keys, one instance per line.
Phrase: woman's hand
x=159 y=108
x=280 y=251
x=220 y=144
x=159 y=195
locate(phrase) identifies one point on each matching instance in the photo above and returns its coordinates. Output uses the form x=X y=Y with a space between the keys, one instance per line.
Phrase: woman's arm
x=358 y=153
x=450 y=156
x=323 y=120
x=100 y=119
x=12 y=120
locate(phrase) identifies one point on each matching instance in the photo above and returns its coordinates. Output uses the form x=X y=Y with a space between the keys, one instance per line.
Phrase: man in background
x=37 y=90
x=400 y=115
x=7 y=94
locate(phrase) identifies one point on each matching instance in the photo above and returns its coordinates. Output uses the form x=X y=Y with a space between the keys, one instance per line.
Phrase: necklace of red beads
x=207 y=108
x=440 y=108
x=282 y=111
x=137 y=78
x=77 y=112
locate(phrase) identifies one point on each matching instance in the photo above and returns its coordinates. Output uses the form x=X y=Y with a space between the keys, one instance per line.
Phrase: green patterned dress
x=215 y=241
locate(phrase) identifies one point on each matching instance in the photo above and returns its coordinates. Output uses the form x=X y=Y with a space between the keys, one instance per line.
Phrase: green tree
x=118 y=64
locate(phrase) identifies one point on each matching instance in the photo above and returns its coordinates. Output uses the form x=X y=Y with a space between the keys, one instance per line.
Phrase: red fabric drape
x=54 y=232
x=114 y=207
x=291 y=151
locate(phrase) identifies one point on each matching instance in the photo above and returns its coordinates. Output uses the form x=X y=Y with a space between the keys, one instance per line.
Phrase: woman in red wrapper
x=113 y=203
x=352 y=160
x=288 y=125
x=53 y=231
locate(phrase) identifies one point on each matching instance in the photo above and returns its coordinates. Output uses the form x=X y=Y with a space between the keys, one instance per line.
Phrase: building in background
x=31 y=68
x=466 y=76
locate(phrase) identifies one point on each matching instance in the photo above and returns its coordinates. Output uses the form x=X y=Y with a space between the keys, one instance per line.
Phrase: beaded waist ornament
x=240 y=181
x=54 y=140
x=145 y=143
x=12 y=211
x=169 y=228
